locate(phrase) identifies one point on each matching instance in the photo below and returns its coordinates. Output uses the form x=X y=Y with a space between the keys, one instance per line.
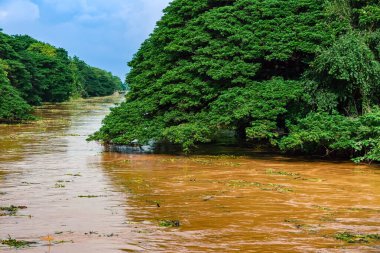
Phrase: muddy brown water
x=81 y=199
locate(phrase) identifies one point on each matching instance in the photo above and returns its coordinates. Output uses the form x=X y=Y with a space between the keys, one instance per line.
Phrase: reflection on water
x=93 y=201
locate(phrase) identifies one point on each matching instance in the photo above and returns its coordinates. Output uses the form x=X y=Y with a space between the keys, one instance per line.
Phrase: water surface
x=81 y=199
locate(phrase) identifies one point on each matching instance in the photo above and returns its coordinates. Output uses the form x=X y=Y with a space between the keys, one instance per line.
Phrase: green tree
x=349 y=70
x=39 y=72
x=201 y=49
x=12 y=107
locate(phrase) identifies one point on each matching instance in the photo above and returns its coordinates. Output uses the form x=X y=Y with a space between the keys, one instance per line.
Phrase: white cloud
x=66 y=5
x=104 y=33
x=18 y=11
x=140 y=16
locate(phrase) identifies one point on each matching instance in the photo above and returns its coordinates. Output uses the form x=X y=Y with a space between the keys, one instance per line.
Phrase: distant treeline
x=33 y=72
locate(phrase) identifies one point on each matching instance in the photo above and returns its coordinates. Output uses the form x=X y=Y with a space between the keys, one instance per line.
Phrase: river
x=74 y=197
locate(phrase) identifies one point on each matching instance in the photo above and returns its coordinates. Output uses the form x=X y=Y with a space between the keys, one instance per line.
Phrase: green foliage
x=303 y=75
x=200 y=50
x=256 y=108
x=132 y=116
x=93 y=82
x=12 y=107
x=13 y=243
x=359 y=136
x=38 y=72
x=317 y=130
x=349 y=70
x=188 y=134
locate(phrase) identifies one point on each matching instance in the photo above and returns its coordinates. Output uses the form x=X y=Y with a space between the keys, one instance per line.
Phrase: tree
x=39 y=72
x=201 y=49
x=12 y=107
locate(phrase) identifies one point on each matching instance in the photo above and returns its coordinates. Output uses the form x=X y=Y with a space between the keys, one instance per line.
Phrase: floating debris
x=13 y=243
x=11 y=210
x=169 y=223
x=357 y=238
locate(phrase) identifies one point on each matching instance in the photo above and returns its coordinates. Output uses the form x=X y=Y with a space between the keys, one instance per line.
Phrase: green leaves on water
x=357 y=238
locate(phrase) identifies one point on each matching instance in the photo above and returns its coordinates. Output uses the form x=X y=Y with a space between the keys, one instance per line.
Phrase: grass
x=357 y=238
x=13 y=243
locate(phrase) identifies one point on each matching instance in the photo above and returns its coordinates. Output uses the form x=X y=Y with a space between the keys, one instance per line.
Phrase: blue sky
x=104 y=33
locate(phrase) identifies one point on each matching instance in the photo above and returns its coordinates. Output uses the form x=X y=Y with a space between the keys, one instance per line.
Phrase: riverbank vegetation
x=33 y=72
x=303 y=76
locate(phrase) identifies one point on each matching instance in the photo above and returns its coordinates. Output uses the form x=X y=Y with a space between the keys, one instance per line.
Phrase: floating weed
x=13 y=243
x=169 y=223
x=91 y=233
x=215 y=160
x=298 y=224
x=63 y=241
x=276 y=187
x=359 y=209
x=68 y=135
x=89 y=196
x=110 y=235
x=218 y=157
x=328 y=218
x=316 y=180
x=357 y=238
x=323 y=208
x=63 y=181
x=281 y=173
x=172 y=160
x=28 y=183
x=203 y=161
x=264 y=187
x=295 y=176
x=242 y=183
x=230 y=164
x=11 y=210
x=58 y=185
x=73 y=175
x=292 y=220
x=139 y=182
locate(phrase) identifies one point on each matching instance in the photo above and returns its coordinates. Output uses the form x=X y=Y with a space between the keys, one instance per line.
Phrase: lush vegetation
x=302 y=75
x=32 y=72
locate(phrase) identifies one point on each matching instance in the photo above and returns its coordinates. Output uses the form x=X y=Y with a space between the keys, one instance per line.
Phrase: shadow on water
x=225 y=149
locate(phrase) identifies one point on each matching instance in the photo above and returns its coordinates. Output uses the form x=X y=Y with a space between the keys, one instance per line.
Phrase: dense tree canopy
x=33 y=72
x=12 y=106
x=265 y=69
